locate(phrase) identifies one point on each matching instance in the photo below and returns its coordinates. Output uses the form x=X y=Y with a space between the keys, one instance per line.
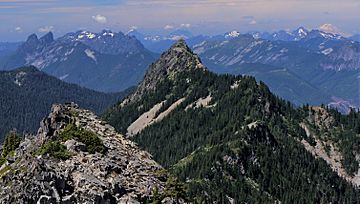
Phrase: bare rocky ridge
x=332 y=158
x=144 y=120
x=324 y=121
x=201 y=102
x=148 y=118
x=124 y=174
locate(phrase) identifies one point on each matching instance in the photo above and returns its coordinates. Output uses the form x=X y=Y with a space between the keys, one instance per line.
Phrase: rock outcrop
x=121 y=174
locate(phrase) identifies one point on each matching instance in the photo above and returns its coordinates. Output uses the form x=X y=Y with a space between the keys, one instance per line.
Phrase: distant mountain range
x=105 y=61
x=303 y=66
x=160 y=43
x=310 y=67
x=296 y=35
x=27 y=94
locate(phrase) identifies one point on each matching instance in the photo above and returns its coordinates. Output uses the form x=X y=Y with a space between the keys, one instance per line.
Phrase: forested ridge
x=27 y=95
x=244 y=146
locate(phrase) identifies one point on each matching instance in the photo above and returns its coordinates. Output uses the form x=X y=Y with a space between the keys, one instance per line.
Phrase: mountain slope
x=229 y=138
x=7 y=48
x=105 y=61
x=318 y=59
x=77 y=158
x=282 y=82
x=356 y=37
x=27 y=94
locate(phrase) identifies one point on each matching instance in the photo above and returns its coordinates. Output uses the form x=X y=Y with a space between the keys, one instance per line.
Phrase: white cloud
x=252 y=22
x=185 y=25
x=46 y=29
x=133 y=27
x=100 y=19
x=19 y=29
x=168 y=27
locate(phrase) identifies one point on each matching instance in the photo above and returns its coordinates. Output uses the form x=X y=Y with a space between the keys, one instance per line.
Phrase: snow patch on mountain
x=90 y=54
x=64 y=77
x=256 y=35
x=86 y=34
x=232 y=34
x=284 y=50
x=224 y=42
x=69 y=52
x=327 y=51
x=302 y=32
x=108 y=34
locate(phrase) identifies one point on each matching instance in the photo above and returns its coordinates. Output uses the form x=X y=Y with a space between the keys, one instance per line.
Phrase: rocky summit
x=77 y=158
x=178 y=58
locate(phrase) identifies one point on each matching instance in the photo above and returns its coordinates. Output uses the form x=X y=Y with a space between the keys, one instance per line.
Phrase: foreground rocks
x=124 y=174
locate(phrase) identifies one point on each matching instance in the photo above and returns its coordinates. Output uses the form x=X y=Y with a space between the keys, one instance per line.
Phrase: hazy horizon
x=23 y=17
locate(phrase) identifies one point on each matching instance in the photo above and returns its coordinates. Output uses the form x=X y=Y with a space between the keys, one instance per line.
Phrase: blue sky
x=19 y=18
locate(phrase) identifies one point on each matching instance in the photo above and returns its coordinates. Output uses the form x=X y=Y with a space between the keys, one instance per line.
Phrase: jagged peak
x=47 y=38
x=178 y=58
x=301 y=31
x=178 y=47
x=301 y=28
x=32 y=38
x=181 y=43
x=179 y=51
x=31 y=44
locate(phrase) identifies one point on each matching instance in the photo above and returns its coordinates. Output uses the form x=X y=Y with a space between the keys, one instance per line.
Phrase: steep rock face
x=121 y=174
x=178 y=58
x=338 y=151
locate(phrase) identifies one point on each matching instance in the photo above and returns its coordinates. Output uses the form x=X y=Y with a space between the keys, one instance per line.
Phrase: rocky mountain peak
x=180 y=50
x=301 y=32
x=181 y=43
x=77 y=158
x=32 y=38
x=178 y=58
x=31 y=43
x=48 y=38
